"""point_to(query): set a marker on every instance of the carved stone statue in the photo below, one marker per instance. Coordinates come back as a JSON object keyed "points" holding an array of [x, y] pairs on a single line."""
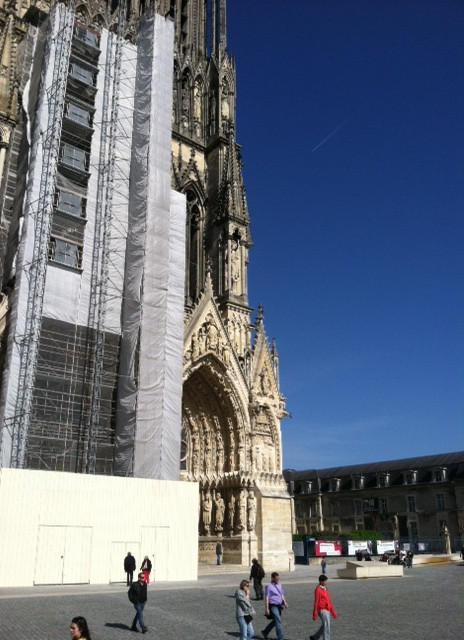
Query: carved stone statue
{"points": [[197, 101], [195, 463], [212, 334], [208, 460], [242, 510], [251, 511], [226, 353], [201, 341], [225, 110], [207, 446], [241, 450], [231, 512], [264, 382], [231, 457], [195, 347], [220, 508], [220, 452], [444, 531], [235, 270], [206, 508]]}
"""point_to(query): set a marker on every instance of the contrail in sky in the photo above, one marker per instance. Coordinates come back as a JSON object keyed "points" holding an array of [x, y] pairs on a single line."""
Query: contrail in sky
{"points": [[338, 127]]}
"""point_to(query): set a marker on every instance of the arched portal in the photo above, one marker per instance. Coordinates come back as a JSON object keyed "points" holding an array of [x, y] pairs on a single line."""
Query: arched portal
{"points": [[217, 452]]}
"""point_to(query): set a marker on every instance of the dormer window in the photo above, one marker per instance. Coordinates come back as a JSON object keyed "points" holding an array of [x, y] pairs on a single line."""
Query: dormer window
{"points": [[410, 477], [383, 480], [334, 484], [439, 474], [307, 486], [357, 482]]}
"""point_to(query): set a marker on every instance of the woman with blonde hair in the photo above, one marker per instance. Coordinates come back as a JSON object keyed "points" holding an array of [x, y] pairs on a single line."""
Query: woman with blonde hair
{"points": [[244, 611]]}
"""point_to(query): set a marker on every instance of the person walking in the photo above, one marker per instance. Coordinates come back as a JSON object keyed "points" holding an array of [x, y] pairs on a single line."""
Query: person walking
{"points": [[257, 574], [323, 565], [129, 567], [244, 611], [323, 607], [79, 629], [274, 602], [146, 569], [218, 553], [409, 559], [138, 596]]}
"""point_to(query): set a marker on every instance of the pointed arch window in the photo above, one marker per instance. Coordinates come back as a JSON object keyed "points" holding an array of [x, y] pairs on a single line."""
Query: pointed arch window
{"points": [[185, 98], [194, 246], [198, 106]]}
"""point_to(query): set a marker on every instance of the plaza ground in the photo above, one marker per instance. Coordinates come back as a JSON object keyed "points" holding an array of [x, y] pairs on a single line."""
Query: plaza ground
{"points": [[425, 603]]}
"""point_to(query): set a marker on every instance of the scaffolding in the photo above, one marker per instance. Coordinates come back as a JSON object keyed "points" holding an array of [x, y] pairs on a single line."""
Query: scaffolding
{"points": [[65, 343], [103, 225], [40, 212]]}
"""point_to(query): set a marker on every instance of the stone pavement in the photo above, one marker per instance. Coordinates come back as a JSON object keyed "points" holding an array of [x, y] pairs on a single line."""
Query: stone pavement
{"points": [[425, 603]]}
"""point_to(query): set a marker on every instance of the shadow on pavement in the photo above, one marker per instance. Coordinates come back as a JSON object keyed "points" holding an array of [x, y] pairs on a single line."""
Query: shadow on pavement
{"points": [[117, 625]]}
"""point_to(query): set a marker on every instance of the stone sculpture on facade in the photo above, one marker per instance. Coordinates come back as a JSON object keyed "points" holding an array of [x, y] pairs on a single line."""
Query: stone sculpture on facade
{"points": [[251, 511], [211, 335], [219, 453], [207, 505], [231, 513], [220, 508], [242, 506]]}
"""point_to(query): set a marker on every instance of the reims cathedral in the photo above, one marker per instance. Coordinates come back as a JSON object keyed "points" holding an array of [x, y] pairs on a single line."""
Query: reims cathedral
{"points": [[128, 344]]}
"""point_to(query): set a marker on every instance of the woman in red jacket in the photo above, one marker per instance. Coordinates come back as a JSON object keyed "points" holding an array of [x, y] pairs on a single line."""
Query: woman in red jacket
{"points": [[323, 607]]}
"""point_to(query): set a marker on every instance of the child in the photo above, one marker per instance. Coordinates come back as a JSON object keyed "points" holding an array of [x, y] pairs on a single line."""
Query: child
{"points": [[323, 607]]}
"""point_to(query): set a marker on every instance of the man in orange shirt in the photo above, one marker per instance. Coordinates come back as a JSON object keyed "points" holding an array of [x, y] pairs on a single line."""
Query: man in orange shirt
{"points": [[323, 607]]}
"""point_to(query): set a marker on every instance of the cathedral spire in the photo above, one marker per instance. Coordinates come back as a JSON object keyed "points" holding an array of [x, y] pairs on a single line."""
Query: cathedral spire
{"points": [[231, 201], [218, 26], [222, 25]]}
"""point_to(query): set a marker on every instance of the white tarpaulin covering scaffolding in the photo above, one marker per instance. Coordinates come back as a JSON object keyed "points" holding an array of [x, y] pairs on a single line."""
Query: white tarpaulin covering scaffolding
{"points": [[25, 256], [148, 424]]}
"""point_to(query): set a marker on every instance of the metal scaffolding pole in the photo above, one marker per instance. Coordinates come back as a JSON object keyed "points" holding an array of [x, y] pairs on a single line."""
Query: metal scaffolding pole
{"points": [[103, 220], [40, 211]]}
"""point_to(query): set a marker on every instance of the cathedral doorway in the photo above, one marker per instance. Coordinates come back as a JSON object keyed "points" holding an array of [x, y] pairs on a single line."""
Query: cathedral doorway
{"points": [[215, 454]]}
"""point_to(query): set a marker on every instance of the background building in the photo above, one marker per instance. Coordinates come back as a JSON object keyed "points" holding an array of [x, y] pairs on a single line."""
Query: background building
{"points": [[412, 499]]}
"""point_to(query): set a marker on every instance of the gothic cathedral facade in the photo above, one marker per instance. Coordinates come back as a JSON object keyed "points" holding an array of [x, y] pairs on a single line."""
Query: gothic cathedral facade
{"points": [[232, 406]]}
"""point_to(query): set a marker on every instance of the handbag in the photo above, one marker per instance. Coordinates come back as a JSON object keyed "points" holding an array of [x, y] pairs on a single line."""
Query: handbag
{"points": [[248, 618]]}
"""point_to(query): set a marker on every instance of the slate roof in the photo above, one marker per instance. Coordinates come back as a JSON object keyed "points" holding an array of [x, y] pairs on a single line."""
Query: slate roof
{"points": [[454, 462]]}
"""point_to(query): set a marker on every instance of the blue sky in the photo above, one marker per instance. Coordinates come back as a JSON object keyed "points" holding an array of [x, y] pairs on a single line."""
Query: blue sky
{"points": [[350, 114]]}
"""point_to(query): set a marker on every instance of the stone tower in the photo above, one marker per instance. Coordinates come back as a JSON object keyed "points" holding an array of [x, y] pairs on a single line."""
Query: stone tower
{"points": [[232, 406]]}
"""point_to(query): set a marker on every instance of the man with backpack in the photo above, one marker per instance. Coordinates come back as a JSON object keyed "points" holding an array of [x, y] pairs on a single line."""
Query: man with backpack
{"points": [[257, 574], [138, 596]]}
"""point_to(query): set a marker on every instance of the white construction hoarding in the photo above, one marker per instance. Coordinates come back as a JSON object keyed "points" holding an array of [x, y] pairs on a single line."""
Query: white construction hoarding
{"points": [[66, 528]]}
